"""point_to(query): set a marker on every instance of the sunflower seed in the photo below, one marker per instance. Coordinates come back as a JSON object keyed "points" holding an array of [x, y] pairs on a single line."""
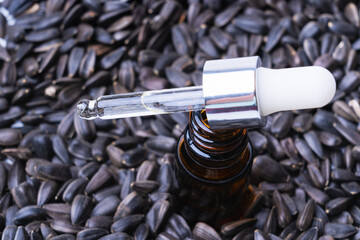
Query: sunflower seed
{"points": [[251, 24], [112, 58], [318, 196], [305, 216], [283, 213], [91, 234], [204, 231], [269, 169], [132, 203], [106, 207], [312, 233], [127, 223], [75, 187], [274, 37], [231, 228], [47, 192], [10, 137], [29, 213], [80, 209], [337, 205], [271, 221], [116, 236], [99, 179], [339, 231]]}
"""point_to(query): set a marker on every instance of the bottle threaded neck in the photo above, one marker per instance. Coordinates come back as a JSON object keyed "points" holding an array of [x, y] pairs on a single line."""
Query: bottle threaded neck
{"points": [[215, 142], [215, 155]]}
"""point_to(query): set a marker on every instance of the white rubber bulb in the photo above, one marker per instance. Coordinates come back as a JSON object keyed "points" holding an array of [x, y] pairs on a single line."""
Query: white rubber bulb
{"points": [[293, 88]]}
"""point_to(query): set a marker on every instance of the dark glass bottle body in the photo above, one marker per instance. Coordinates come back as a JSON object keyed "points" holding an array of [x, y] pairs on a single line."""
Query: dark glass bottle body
{"points": [[213, 169]]}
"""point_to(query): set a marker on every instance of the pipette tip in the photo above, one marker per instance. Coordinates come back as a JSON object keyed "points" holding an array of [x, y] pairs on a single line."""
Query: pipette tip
{"points": [[86, 109]]}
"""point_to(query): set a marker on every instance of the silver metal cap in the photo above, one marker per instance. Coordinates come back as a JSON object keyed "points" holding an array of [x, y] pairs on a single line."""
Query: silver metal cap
{"points": [[229, 87]]}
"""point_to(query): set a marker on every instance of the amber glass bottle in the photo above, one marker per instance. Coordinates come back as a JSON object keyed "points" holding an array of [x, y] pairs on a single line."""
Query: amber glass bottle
{"points": [[213, 169]]}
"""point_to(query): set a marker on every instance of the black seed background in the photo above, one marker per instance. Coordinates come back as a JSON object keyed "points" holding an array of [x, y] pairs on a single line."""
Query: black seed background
{"points": [[62, 177]]}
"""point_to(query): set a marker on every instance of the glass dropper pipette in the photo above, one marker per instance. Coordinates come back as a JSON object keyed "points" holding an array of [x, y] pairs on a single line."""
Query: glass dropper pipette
{"points": [[236, 93], [143, 103]]}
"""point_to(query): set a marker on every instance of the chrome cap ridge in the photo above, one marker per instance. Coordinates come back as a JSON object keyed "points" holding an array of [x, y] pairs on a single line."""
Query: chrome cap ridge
{"points": [[229, 87]]}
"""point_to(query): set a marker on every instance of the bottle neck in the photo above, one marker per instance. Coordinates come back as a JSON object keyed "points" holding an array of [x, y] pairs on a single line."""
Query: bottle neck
{"points": [[215, 154]]}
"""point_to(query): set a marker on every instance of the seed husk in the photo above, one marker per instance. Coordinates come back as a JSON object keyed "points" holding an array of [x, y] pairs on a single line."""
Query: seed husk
{"points": [[24, 194], [252, 24], [289, 148], [311, 29], [274, 37], [306, 215], [343, 175], [281, 187], [157, 215], [73, 14], [177, 78], [269, 169], [112, 58], [302, 123], [65, 227], [204, 231], [290, 231], [144, 187], [247, 233], [275, 147], [337, 205], [231, 228], [64, 237], [10, 137], [87, 65], [116, 236], [316, 176], [316, 194], [127, 223], [338, 230], [208, 47], [290, 204], [314, 143], [329, 139], [258, 141], [16, 175], [75, 187], [258, 235], [350, 81], [352, 188], [226, 15], [80, 209], [28, 214], [91, 233], [99, 222], [100, 179], [283, 213], [312, 233], [57, 210], [84, 129], [132, 203], [47, 192], [271, 221], [182, 39], [106, 207], [80, 149], [42, 35], [305, 150]]}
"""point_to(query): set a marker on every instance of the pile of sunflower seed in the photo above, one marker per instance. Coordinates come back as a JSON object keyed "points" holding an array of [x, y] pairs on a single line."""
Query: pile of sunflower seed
{"points": [[62, 177]]}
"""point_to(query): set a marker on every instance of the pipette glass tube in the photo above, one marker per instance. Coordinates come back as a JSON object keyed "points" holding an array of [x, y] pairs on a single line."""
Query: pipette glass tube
{"points": [[143, 103]]}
